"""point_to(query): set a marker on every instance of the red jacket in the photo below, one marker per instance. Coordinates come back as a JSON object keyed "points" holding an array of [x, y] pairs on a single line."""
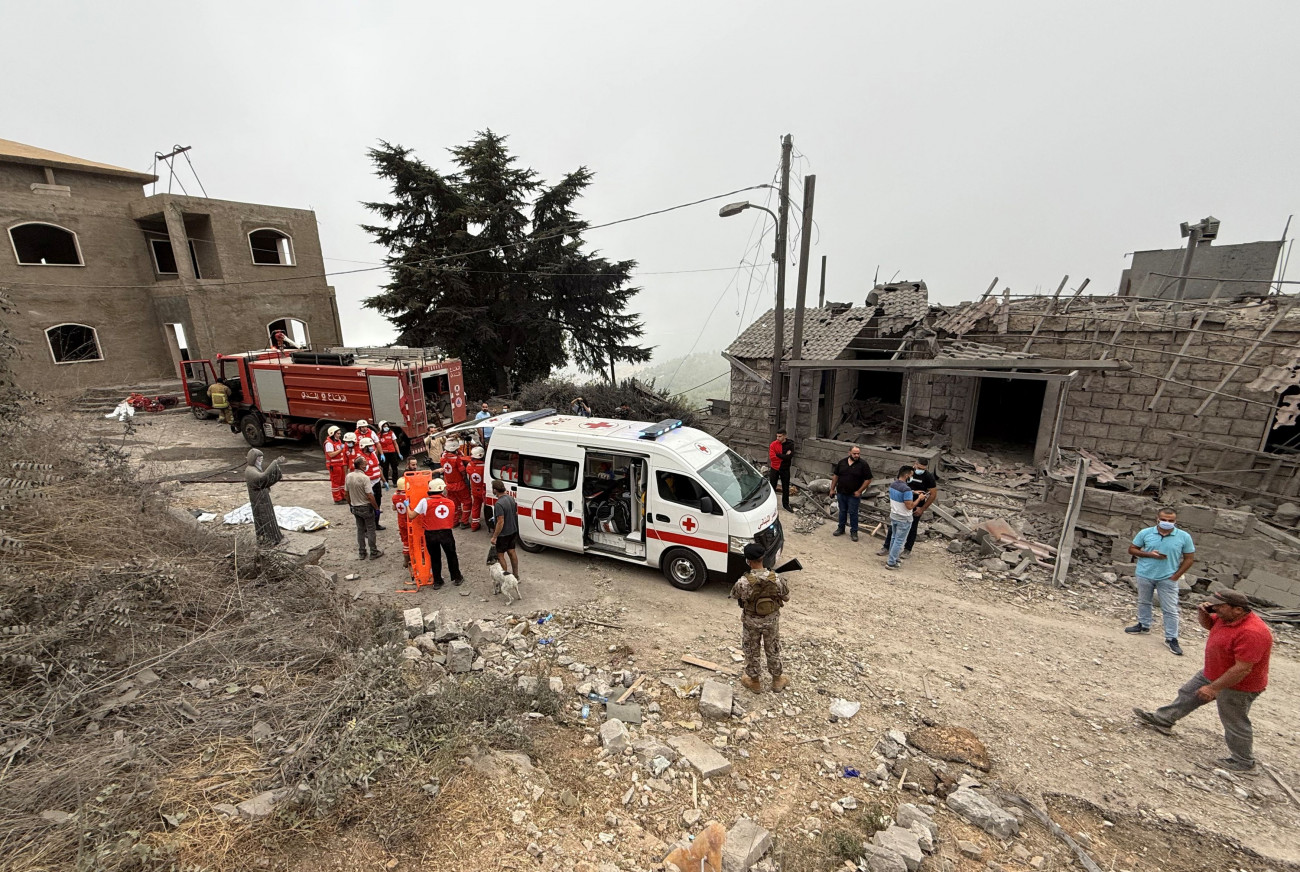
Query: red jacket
{"points": [[453, 471], [477, 482], [336, 453], [775, 452], [374, 471]]}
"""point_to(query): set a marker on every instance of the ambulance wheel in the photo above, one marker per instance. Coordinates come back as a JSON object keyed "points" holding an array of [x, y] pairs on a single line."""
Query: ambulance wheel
{"points": [[252, 430], [530, 547], [684, 569]]}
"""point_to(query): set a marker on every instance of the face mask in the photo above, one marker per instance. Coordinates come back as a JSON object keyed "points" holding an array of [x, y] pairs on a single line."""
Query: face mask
{"points": [[1166, 525]]}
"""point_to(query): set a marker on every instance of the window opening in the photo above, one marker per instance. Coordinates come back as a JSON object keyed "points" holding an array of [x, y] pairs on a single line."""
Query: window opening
{"points": [[1284, 439], [680, 488], [73, 343], [45, 245], [1007, 415], [164, 259], [504, 466], [293, 330], [271, 247]]}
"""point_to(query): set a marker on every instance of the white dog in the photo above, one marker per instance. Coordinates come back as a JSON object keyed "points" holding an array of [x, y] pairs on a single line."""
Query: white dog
{"points": [[504, 582]]}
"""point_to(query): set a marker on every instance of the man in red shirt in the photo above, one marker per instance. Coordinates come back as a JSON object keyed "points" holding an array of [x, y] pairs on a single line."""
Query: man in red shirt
{"points": [[1235, 673], [780, 457]]}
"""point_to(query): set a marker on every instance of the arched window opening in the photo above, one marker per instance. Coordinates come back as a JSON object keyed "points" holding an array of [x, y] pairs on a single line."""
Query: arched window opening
{"points": [[271, 247], [288, 333], [38, 244], [73, 343]]}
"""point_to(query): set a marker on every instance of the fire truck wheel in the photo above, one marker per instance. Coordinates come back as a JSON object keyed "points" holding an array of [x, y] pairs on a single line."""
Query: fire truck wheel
{"points": [[530, 547], [252, 430], [199, 412], [322, 431], [684, 569]]}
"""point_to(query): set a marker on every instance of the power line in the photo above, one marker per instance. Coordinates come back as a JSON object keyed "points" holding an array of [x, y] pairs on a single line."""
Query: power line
{"points": [[578, 227]]}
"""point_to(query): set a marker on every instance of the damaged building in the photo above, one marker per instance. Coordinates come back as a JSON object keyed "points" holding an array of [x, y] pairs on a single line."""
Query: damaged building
{"points": [[116, 287], [1204, 382]]}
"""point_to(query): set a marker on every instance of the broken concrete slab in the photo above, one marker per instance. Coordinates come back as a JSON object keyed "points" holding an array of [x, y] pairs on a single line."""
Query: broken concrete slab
{"points": [[414, 620], [902, 842], [614, 736], [715, 699], [746, 844], [628, 713], [321, 574], [302, 549], [1271, 587], [647, 749], [460, 656], [262, 805], [984, 813], [703, 757], [882, 859]]}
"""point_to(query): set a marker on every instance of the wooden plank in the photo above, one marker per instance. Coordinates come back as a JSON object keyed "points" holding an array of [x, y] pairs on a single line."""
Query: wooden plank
{"points": [[1000, 364], [1051, 308], [708, 664], [951, 520], [1066, 548], [1187, 342], [631, 690], [1282, 311]]}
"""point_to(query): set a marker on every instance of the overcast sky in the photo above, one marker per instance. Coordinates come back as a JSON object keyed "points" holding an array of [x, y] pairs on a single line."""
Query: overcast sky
{"points": [[952, 142]]}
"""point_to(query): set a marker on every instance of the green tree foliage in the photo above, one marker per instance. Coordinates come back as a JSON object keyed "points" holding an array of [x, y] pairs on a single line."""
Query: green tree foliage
{"points": [[487, 263]]}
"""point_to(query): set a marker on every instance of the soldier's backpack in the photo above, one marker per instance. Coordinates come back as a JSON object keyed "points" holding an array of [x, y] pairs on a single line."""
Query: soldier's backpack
{"points": [[767, 596]]}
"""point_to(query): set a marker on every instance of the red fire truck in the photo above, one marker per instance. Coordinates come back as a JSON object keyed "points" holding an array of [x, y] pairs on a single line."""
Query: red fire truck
{"points": [[300, 394]]}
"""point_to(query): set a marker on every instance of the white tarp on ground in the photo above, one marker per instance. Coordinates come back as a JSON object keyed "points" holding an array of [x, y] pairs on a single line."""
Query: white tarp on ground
{"points": [[123, 411], [288, 517]]}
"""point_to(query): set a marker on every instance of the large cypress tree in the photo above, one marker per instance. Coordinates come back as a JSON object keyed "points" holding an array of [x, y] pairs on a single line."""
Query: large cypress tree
{"points": [[487, 263]]}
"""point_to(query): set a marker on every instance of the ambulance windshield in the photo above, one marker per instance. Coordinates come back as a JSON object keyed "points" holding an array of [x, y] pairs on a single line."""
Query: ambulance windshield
{"points": [[740, 484]]}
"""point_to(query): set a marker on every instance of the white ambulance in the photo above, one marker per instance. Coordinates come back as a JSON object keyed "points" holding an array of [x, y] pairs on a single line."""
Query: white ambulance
{"points": [[659, 495]]}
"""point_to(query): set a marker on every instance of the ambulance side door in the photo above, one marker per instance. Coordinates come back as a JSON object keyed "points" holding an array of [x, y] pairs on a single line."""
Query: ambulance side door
{"points": [[548, 489], [681, 512]]}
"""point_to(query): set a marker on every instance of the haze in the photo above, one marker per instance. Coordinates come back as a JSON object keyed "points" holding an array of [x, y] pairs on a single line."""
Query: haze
{"points": [[952, 142]]}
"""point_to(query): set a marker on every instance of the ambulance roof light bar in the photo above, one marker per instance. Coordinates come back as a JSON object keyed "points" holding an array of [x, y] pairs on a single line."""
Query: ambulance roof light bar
{"points": [[530, 417], [654, 431]]}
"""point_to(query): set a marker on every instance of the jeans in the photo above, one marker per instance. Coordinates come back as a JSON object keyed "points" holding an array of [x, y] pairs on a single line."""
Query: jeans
{"points": [[1168, 603], [911, 534], [898, 531], [848, 510], [1234, 714], [365, 518]]}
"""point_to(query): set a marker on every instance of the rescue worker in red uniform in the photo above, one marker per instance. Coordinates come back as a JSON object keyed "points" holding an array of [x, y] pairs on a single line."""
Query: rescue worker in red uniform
{"points": [[437, 516], [375, 473], [389, 451], [336, 461], [453, 476], [401, 509], [477, 486], [351, 451], [364, 431]]}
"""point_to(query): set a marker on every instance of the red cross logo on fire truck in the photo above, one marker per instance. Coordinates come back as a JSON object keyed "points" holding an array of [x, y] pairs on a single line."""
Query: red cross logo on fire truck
{"points": [[597, 425], [548, 517], [688, 523]]}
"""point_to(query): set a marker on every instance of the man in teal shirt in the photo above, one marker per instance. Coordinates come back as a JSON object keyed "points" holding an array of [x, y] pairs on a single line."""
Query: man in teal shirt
{"points": [[484, 412], [1164, 553]]}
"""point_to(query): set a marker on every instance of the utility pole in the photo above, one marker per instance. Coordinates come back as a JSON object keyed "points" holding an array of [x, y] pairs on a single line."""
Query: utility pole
{"points": [[821, 292], [778, 343], [800, 296]]}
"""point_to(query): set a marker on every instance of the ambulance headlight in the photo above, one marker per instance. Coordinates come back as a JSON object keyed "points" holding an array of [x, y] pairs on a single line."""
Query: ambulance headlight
{"points": [[736, 544]]}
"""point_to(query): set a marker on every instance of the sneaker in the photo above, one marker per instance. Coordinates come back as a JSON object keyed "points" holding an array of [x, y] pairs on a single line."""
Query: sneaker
{"points": [[1232, 764], [779, 683], [752, 684], [1150, 720], [1137, 628], [839, 531], [1173, 645], [854, 535], [882, 552], [458, 581], [891, 565], [375, 555], [907, 552], [380, 527], [361, 556], [437, 585]]}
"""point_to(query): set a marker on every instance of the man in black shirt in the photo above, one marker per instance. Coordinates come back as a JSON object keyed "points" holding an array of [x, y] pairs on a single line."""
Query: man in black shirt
{"points": [[923, 484], [849, 478]]}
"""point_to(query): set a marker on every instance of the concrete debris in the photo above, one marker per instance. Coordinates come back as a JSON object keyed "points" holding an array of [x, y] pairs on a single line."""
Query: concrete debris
{"points": [[460, 656], [704, 758], [746, 843], [970, 849], [844, 709], [984, 813], [614, 736], [647, 749], [908, 814], [879, 859], [628, 713], [414, 620], [715, 699], [902, 842]]}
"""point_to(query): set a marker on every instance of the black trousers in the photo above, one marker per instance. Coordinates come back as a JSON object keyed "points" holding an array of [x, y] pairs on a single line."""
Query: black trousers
{"points": [[439, 541], [781, 476], [390, 467], [378, 490], [911, 534]]}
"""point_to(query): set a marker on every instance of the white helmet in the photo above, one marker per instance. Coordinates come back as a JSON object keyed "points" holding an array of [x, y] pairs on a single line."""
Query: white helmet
{"points": [[363, 423], [476, 453], [331, 431], [452, 445], [383, 424], [349, 437], [367, 442], [437, 486]]}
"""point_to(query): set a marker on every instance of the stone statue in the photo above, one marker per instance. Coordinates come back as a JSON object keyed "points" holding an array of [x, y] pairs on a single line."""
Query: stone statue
{"points": [[259, 483]]}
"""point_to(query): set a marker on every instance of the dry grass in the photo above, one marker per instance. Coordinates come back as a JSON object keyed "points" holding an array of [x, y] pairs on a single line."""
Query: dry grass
{"points": [[137, 653]]}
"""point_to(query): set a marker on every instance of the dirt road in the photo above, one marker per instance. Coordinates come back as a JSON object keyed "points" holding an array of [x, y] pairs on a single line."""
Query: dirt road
{"points": [[1046, 679]]}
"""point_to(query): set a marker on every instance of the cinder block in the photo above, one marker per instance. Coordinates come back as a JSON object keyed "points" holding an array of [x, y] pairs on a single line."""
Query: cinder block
{"points": [[1096, 500], [1269, 586], [1239, 522], [1200, 519], [1131, 504]]}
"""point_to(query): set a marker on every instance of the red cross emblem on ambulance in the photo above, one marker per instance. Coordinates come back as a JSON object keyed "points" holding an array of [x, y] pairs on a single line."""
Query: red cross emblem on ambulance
{"points": [[688, 523], [700, 446], [548, 517], [442, 512], [596, 425]]}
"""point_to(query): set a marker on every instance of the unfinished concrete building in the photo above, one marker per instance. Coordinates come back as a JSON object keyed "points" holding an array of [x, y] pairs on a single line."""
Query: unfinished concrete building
{"points": [[114, 287], [1208, 387]]}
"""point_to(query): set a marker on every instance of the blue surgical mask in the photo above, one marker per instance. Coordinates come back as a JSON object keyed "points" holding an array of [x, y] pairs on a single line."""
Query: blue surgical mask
{"points": [[1166, 525]]}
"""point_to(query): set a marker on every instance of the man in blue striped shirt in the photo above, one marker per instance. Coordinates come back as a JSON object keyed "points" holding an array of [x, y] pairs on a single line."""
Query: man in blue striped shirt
{"points": [[902, 500]]}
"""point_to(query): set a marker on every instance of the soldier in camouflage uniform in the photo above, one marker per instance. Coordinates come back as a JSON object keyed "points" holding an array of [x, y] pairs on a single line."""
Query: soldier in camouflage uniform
{"points": [[761, 593]]}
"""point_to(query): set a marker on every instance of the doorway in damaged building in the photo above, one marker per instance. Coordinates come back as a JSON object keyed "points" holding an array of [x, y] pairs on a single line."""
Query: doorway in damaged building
{"points": [[1007, 416]]}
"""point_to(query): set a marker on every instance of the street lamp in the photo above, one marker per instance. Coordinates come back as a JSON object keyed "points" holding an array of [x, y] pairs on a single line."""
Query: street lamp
{"points": [[778, 339]]}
